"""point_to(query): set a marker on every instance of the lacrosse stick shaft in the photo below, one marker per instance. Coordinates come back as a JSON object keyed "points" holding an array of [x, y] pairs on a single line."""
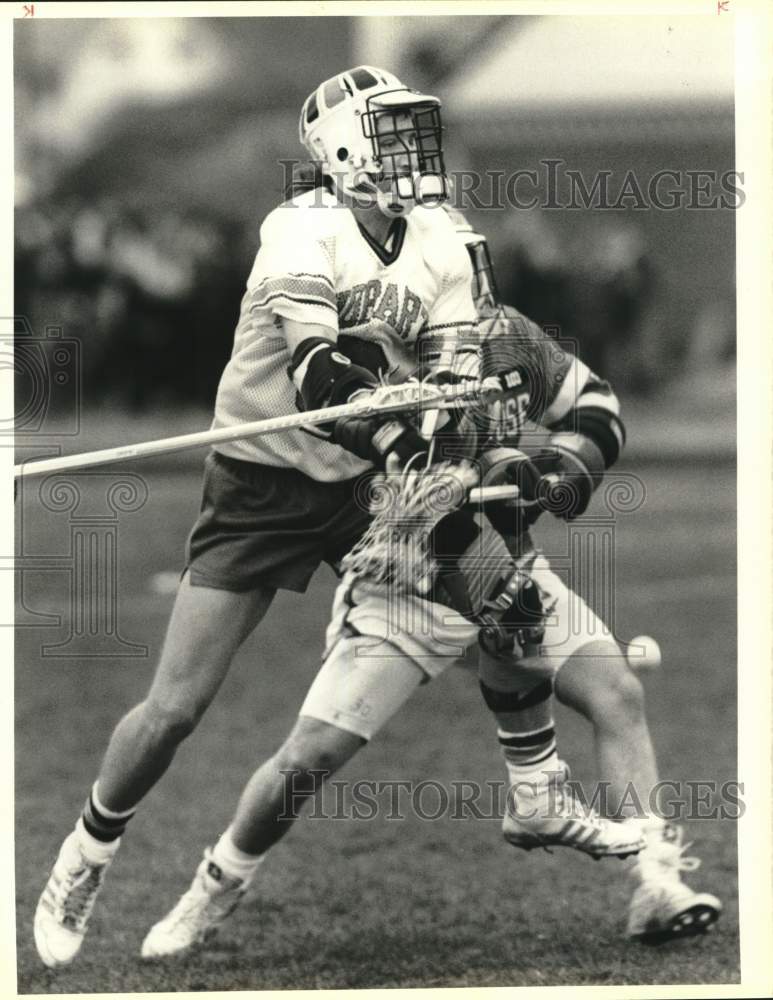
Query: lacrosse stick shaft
{"points": [[389, 400], [481, 494]]}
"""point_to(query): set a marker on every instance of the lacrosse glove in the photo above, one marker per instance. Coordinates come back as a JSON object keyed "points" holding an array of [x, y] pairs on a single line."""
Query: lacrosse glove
{"points": [[374, 437]]}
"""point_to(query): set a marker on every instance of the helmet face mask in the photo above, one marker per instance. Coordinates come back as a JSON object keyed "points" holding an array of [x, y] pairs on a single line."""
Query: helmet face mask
{"points": [[407, 144], [378, 141]]}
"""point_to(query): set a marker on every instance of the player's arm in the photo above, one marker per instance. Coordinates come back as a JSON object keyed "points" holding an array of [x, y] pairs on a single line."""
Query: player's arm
{"points": [[322, 374], [582, 414], [586, 433], [325, 376], [292, 285], [587, 441], [578, 409]]}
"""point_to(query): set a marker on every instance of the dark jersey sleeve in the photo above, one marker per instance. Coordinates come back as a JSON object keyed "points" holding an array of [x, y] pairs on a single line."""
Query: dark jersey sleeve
{"points": [[556, 391]]}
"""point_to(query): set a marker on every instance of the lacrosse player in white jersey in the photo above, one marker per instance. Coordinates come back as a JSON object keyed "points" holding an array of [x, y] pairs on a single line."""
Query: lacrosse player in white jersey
{"points": [[502, 595], [350, 282], [347, 283]]}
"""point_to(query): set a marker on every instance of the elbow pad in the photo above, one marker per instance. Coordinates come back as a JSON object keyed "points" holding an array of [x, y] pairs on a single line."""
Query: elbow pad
{"points": [[603, 428], [324, 376], [577, 470]]}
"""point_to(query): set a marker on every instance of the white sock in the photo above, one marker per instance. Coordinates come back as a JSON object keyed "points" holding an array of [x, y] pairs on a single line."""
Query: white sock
{"points": [[233, 861], [649, 826], [535, 758], [96, 851], [535, 775], [646, 864]]}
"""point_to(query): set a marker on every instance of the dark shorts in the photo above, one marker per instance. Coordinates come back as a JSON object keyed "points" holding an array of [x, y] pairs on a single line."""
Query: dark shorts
{"points": [[263, 525]]}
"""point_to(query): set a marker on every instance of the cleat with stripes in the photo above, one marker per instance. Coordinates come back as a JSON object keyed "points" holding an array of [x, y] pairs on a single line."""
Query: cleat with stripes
{"points": [[63, 911], [553, 817], [212, 897], [663, 908]]}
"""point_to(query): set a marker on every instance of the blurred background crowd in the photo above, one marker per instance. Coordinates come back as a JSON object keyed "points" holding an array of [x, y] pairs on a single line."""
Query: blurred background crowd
{"points": [[149, 150]]}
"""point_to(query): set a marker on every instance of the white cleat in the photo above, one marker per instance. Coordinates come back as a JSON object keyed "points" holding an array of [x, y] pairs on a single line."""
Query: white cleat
{"points": [[553, 817], [63, 911], [198, 914], [663, 908]]}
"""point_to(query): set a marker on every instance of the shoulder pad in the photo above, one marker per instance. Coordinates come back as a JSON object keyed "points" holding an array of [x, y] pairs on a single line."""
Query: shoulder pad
{"points": [[313, 214]]}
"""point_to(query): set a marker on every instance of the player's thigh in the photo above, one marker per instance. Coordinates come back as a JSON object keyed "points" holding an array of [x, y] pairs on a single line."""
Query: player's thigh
{"points": [[361, 686], [572, 627], [598, 682], [380, 647], [206, 628], [580, 651]]}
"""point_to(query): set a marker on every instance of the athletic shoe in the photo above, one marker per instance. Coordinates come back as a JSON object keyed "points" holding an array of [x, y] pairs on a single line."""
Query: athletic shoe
{"points": [[199, 913], [663, 907], [63, 911], [552, 816]]}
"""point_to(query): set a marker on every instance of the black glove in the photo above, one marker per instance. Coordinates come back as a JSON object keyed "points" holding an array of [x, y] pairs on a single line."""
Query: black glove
{"points": [[511, 467], [375, 437], [547, 480], [330, 376], [563, 485]]}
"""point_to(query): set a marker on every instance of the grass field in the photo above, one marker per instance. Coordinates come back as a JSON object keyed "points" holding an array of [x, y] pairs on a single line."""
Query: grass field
{"points": [[375, 903]]}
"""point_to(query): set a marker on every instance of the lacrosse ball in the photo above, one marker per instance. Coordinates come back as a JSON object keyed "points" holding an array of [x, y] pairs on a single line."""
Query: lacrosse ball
{"points": [[643, 653]]}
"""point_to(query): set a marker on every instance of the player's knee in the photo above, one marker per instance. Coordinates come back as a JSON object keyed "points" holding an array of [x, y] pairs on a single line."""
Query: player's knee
{"points": [[621, 697], [313, 751], [599, 683], [169, 723], [627, 689]]}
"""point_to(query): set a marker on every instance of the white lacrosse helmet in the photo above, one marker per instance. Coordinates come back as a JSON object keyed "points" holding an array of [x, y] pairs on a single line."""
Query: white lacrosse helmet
{"points": [[364, 127]]}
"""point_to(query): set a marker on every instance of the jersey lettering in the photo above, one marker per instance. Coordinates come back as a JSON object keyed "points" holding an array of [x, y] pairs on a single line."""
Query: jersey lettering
{"points": [[510, 418], [369, 300], [412, 307], [372, 292], [389, 306]]}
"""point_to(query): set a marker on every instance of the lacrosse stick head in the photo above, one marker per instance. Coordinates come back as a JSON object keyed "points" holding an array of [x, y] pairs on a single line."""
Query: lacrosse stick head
{"points": [[396, 549]]}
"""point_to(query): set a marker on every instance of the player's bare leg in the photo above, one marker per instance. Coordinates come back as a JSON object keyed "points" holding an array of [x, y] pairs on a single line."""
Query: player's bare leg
{"points": [[270, 803], [195, 658], [272, 798], [598, 683], [274, 795], [196, 655]]}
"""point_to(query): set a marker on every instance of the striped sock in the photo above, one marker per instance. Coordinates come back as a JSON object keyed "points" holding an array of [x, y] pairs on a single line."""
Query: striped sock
{"points": [[530, 757], [102, 823]]}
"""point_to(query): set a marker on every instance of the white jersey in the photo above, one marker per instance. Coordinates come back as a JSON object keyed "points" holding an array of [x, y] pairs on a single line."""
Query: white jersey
{"points": [[316, 265]]}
